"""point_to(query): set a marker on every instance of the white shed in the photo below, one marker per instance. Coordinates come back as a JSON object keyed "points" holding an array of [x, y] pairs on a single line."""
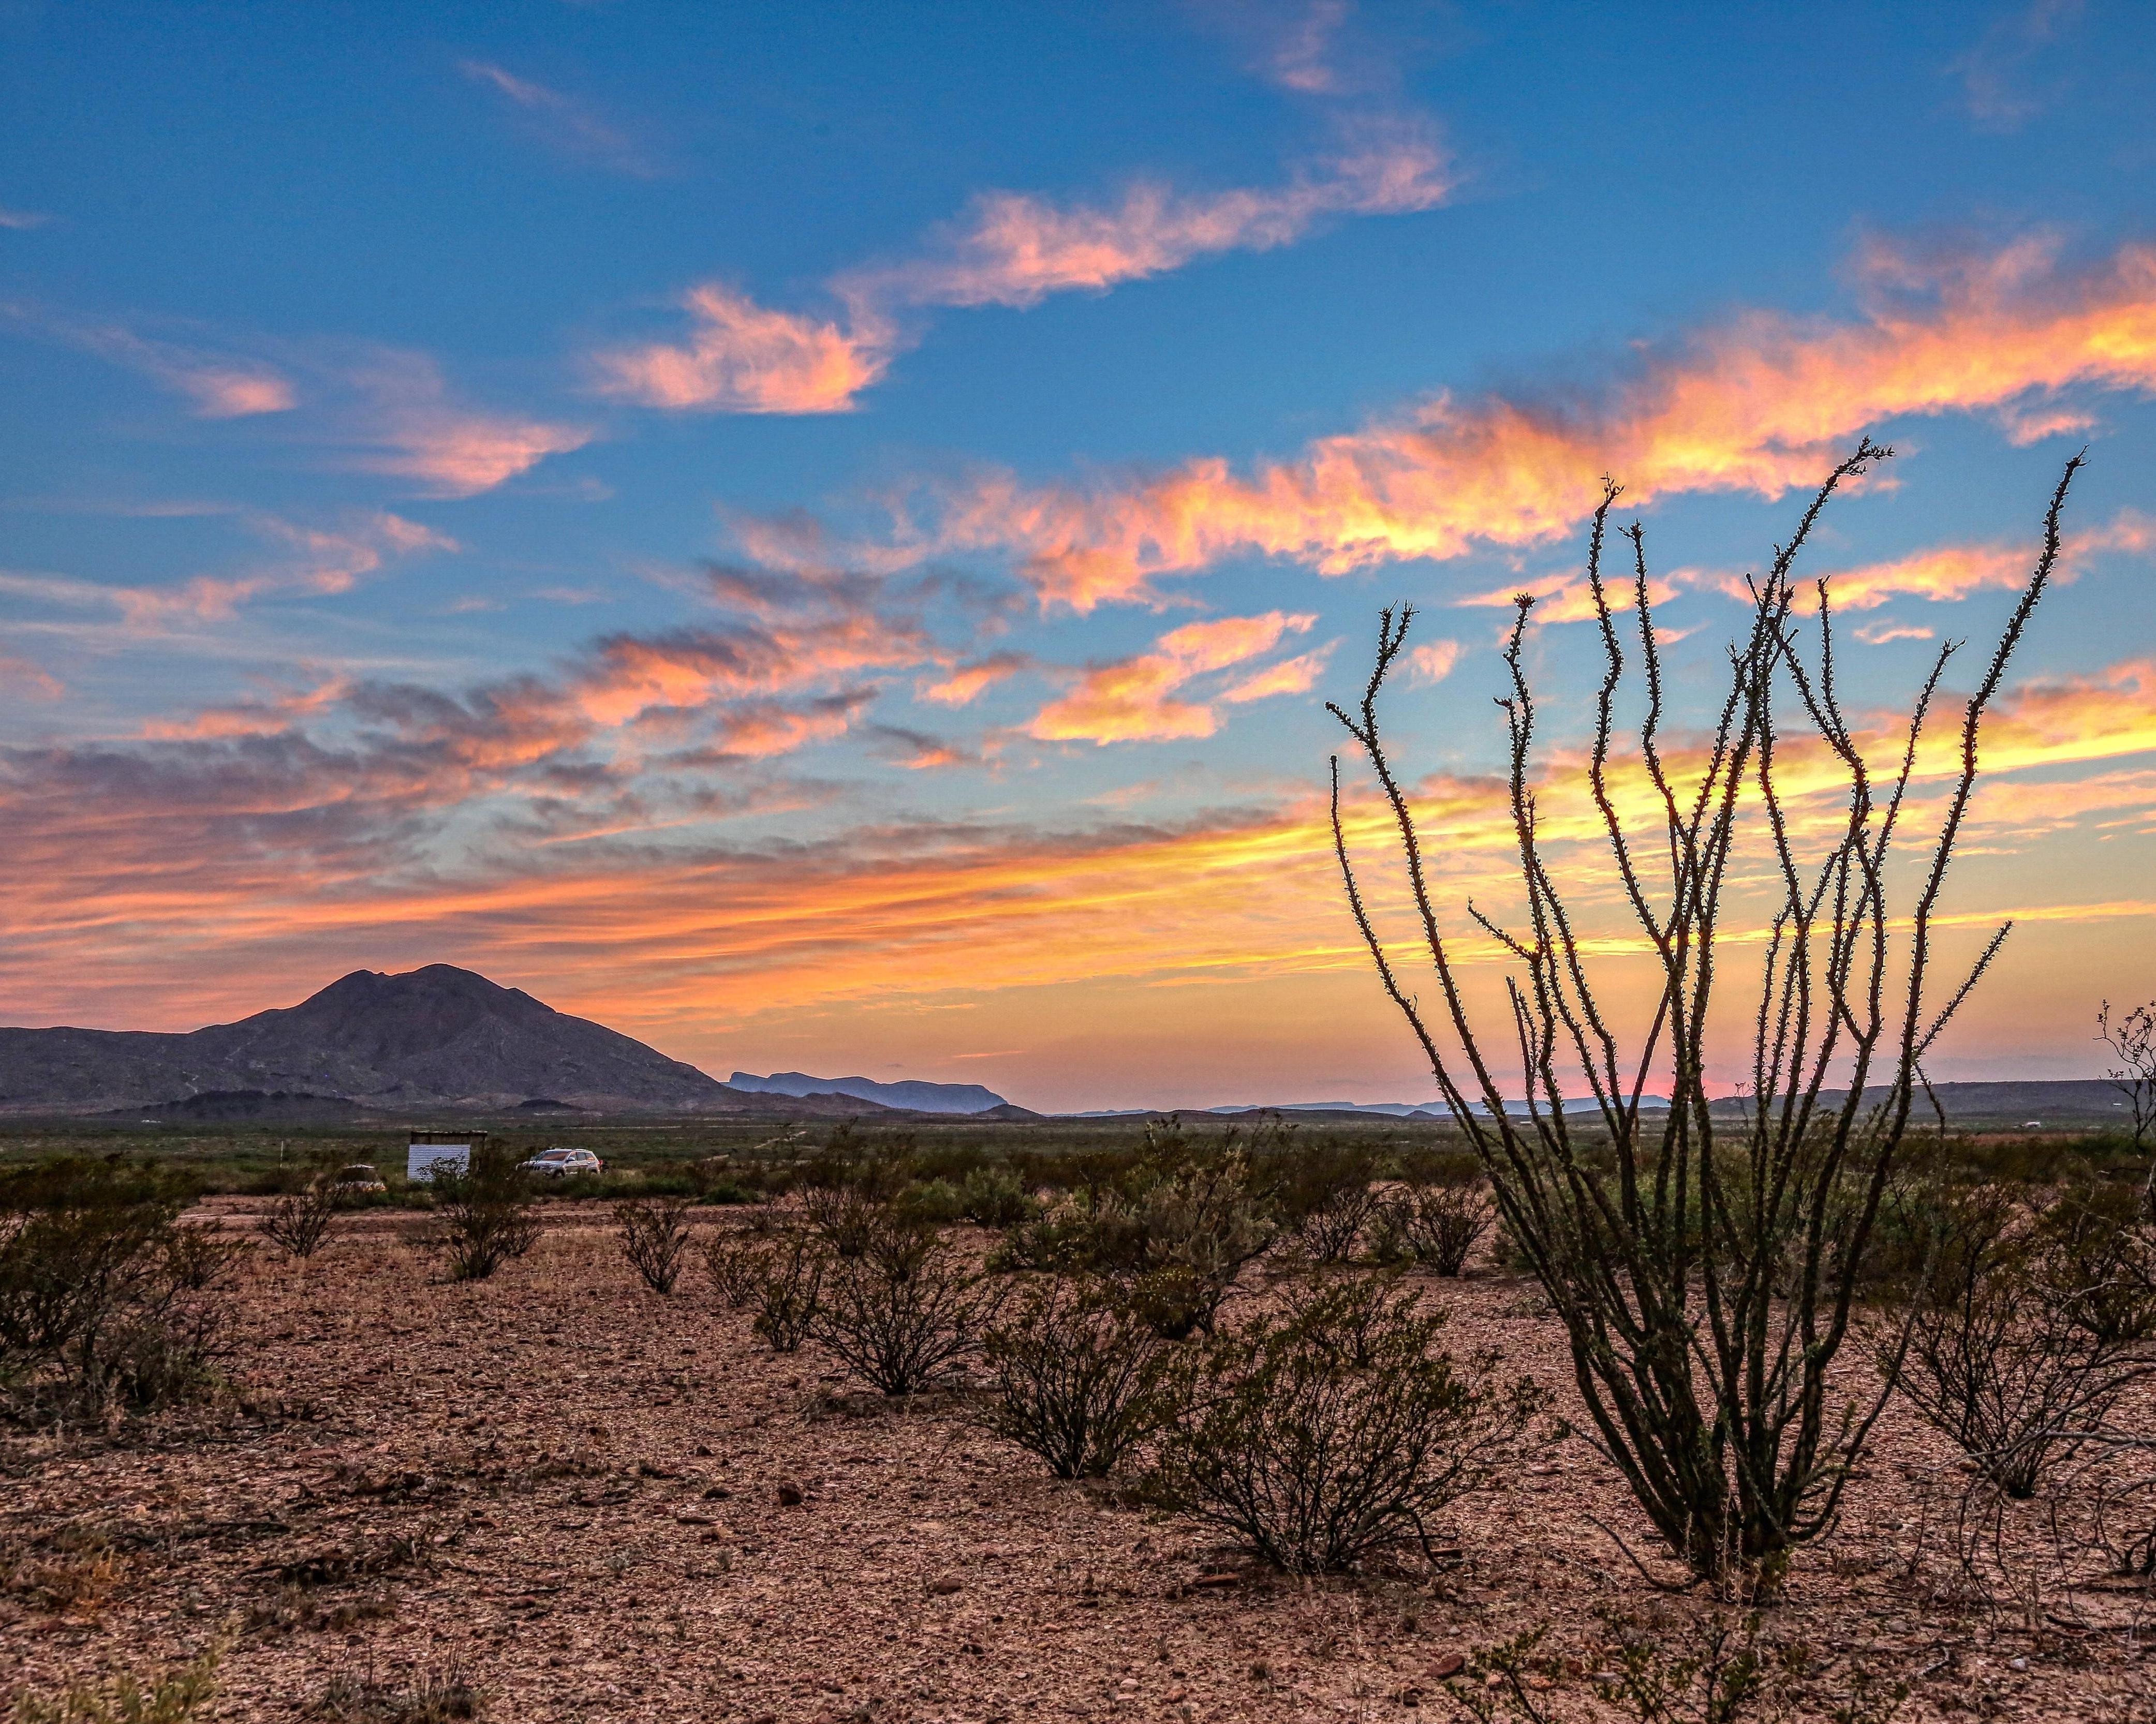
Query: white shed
{"points": [[429, 1148]]}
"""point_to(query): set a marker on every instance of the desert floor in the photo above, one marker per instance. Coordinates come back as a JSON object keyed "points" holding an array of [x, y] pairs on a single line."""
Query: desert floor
{"points": [[597, 1503]]}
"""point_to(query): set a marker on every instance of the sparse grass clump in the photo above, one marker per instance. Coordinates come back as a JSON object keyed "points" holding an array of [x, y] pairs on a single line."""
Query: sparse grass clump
{"points": [[172, 1698], [1327, 1435], [1073, 1377]]}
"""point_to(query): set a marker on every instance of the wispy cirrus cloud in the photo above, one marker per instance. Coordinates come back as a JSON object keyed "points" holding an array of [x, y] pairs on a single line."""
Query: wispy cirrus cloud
{"points": [[1008, 249], [316, 561], [566, 123], [23, 220], [390, 408], [220, 387], [966, 681], [1760, 404], [1136, 700], [1995, 74]]}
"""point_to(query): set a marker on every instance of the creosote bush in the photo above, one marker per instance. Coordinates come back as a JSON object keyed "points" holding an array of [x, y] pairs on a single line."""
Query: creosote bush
{"points": [[2023, 1334], [1436, 1225], [1325, 1193], [1174, 1239], [734, 1257], [787, 1289], [1275, 1434], [1073, 1366], [106, 1301], [485, 1214], [654, 1237], [298, 1221], [901, 1314]]}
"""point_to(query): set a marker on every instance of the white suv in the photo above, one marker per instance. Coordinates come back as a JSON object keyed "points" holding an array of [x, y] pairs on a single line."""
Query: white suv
{"points": [[561, 1163]]}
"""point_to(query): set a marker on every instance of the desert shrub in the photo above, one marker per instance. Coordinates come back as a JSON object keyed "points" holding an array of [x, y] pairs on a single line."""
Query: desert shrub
{"points": [[1436, 1225], [932, 1203], [788, 1286], [1073, 1367], [994, 1196], [1272, 1434], [1325, 1193], [734, 1258], [654, 1237], [844, 1216], [484, 1214], [1174, 1241], [901, 1314], [298, 1221], [2018, 1341], [172, 1698], [105, 1299]]}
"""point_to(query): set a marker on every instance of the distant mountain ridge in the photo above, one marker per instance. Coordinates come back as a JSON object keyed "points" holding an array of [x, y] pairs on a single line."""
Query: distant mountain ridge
{"points": [[915, 1094], [435, 1036]]}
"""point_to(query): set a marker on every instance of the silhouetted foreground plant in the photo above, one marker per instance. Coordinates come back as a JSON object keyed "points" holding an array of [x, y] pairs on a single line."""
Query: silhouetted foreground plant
{"points": [[901, 1314], [1072, 1377], [1277, 1433], [1701, 1264], [105, 1300], [654, 1237], [2130, 1040], [485, 1214], [2023, 1336]]}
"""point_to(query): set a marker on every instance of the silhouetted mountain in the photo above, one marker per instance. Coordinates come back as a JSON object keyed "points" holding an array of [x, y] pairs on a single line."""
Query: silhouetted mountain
{"points": [[437, 1037], [910, 1093]]}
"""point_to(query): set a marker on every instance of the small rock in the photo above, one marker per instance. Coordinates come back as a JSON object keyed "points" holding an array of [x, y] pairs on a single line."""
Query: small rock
{"points": [[943, 1588], [789, 1496], [2017, 1664], [1451, 1664]]}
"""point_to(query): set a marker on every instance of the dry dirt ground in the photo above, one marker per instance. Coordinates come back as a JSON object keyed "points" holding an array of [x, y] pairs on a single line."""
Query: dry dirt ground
{"points": [[602, 1504]]}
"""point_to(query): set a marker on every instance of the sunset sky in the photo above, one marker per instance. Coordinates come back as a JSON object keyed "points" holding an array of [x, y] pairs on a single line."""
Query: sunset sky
{"points": [[819, 535]]}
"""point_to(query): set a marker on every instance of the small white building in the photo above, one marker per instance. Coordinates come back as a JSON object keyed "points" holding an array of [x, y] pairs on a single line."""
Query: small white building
{"points": [[429, 1148]]}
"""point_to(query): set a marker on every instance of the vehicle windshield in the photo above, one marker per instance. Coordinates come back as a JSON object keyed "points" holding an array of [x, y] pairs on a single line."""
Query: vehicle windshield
{"points": [[554, 1155]]}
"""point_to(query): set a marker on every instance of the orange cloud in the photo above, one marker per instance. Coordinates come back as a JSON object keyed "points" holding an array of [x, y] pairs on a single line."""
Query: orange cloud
{"points": [[1130, 699], [1761, 405], [1290, 676], [743, 358], [968, 680], [1010, 249]]}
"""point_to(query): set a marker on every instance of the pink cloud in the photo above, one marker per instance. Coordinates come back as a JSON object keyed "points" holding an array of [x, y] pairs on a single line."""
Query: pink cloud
{"points": [[415, 431], [1010, 249], [741, 358]]}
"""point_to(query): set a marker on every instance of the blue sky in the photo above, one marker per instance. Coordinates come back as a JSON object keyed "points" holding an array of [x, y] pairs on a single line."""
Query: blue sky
{"points": [[529, 487]]}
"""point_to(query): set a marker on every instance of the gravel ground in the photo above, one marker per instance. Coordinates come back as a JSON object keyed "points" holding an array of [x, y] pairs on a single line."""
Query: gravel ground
{"points": [[597, 1503]]}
